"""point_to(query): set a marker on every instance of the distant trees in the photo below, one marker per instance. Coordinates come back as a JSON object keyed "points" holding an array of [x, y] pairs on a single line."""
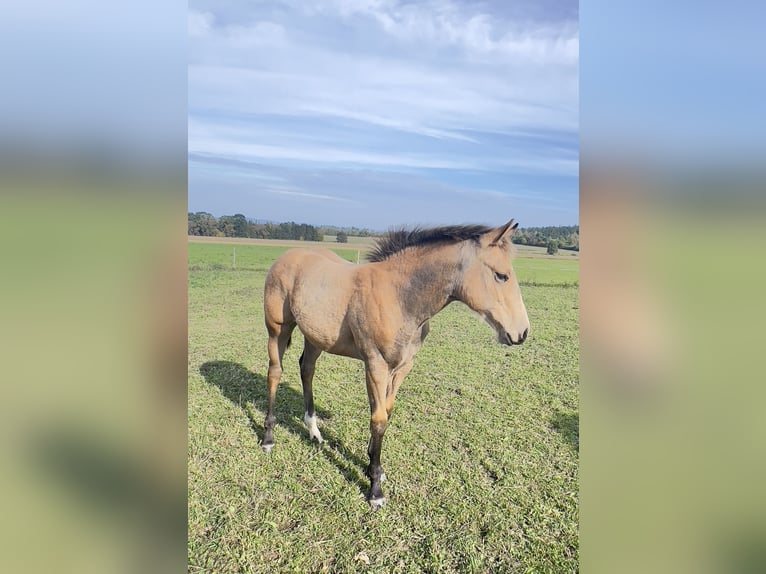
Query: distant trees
{"points": [[566, 236], [349, 231], [203, 223], [290, 230], [234, 225]]}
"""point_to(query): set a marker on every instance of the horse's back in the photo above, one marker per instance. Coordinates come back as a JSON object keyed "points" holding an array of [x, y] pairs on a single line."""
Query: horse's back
{"points": [[294, 263], [311, 287]]}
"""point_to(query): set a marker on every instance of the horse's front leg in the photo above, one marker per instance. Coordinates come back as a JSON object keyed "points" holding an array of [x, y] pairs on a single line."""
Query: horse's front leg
{"points": [[377, 383], [393, 388]]}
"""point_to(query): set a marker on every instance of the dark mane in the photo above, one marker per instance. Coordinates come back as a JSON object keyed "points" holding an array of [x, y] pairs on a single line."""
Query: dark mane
{"points": [[396, 240]]}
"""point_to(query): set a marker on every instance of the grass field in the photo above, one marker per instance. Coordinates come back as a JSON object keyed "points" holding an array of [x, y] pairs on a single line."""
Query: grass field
{"points": [[532, 265], [481, 454], [352, 240]]}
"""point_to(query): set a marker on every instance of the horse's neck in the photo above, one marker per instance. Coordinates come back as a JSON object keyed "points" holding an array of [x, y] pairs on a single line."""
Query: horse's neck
{"points": [[427, 282]]}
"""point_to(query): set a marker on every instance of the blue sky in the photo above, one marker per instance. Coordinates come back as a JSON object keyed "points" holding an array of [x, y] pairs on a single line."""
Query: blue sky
{"points": [[676, 84], [377, 113]]}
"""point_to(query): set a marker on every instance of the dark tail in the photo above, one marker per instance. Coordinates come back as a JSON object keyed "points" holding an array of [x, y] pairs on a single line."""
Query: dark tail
{"points": [[289, 341]]}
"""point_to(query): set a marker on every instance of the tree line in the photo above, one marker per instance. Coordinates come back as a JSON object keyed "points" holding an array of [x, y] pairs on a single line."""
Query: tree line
{"points": [[205, 224], [564, 237], [349, 231]]}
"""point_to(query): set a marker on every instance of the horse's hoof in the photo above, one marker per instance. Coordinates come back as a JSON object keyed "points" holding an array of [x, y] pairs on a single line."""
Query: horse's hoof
{"points": [[267, 447], [316, 438], [376, 503], [311, 425]]}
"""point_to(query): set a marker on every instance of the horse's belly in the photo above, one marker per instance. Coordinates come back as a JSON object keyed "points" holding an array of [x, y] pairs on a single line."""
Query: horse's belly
{"points": [[330, 335], [343, 344], [320, 305], [345, 350]]}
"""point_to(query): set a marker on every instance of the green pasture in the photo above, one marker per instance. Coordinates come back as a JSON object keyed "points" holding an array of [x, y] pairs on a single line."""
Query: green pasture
{"points": [[352, 240], [481, 454], [547, 271], [223, 256], [219, 256]]}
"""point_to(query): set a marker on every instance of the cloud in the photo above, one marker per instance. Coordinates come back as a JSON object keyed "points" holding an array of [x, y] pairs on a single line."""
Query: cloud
{"points": [[398, 124], [379, 199], [210, 139], [474, 96], [433, 69], [451, 23], [228, 148], [199, 23], [301, 194]]}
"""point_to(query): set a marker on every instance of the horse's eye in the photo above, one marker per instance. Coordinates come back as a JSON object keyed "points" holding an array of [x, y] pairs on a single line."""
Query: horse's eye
{"points": [[500, 277]]}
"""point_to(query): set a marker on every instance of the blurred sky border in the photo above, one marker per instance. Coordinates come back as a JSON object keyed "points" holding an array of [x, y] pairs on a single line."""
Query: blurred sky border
{"points": [[384, 112], [673, 85]]}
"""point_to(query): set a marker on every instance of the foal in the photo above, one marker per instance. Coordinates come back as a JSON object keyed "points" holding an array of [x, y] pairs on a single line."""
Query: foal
{"points": [[379, 312]]}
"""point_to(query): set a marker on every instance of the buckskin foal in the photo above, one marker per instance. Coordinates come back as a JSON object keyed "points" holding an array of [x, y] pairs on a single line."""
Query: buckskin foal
{"points": [[378, 312]]}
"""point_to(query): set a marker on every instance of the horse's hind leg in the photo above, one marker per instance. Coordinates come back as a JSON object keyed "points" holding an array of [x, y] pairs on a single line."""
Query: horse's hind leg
{"points": [[307, 363], [279, 339]]}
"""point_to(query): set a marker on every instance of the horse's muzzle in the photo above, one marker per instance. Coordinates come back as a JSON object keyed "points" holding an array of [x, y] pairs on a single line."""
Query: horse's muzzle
{"points": [[506, 339]]}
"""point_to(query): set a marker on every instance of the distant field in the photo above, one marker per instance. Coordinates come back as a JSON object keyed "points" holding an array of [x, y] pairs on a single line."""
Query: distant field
{"points": [[481, 456], [243, 257], [546, 271], [533, 251], [258, 254], [352, 240], [249, 241], [362, 243]]}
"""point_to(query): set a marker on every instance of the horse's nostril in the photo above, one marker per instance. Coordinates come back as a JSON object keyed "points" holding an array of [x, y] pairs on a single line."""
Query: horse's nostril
{"points": [[524, 335]]}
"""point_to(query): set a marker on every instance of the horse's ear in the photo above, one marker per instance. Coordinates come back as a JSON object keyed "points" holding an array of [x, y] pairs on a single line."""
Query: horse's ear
{"points": [[503, 233]]}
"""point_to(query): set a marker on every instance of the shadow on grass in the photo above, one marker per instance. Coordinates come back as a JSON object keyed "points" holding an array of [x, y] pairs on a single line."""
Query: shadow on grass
{"points": [[241, 386], [568, 426]]}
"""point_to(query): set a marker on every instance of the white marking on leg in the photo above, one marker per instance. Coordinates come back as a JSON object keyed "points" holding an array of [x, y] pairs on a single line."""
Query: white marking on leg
{"points": [[376, 503], [311, 424]]}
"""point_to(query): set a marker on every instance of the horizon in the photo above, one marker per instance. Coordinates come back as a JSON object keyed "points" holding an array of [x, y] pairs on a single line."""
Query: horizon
{"points": [[264, 221], [383, 114]]}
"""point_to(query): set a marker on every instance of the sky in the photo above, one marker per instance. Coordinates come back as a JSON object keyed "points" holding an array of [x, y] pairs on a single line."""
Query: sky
{"points": [[375, 113], [676, 84]]}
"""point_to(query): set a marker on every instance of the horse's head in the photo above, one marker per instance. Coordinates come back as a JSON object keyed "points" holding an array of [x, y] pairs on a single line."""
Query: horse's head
{"points": [[490, 288]]}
